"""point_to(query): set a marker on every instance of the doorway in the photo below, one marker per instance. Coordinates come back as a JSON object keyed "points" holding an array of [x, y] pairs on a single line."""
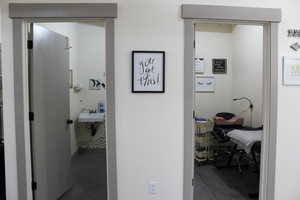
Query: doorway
{"points": [[2, 158], [228, 96], [67, 106], [269, 19], [30, 13]]}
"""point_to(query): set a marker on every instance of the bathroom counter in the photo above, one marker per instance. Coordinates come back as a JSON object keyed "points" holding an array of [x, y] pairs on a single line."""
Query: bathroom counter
{"points": [[91, 117]]}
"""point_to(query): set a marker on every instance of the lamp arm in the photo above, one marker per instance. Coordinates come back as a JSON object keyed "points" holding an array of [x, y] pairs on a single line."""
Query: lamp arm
{"points": [[249, 100], [250, 106]]}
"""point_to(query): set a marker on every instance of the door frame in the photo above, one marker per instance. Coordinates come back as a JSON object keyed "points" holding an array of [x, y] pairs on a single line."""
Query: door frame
{"points": [[24, 13], [269, 18]]}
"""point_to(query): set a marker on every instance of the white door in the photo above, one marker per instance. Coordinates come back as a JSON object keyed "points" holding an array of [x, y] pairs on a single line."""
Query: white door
{"points": [[49, 102]]}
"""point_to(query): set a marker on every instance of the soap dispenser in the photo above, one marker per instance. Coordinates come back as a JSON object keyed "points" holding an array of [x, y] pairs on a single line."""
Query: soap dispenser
{"points": [[101, 107]]}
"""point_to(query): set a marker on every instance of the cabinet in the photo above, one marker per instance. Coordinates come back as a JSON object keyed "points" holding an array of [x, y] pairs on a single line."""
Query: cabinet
{"points": [[203, 140]]}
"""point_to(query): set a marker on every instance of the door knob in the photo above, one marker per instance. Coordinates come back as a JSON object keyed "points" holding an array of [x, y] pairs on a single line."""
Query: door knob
{"points": [[69, 121]]}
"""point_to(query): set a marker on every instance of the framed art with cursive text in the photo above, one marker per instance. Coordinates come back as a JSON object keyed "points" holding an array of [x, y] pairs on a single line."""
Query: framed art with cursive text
{"points": [[148, 71]]}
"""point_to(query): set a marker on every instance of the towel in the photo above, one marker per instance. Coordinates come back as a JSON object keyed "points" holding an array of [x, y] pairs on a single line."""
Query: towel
{"points": [[245, 139]]}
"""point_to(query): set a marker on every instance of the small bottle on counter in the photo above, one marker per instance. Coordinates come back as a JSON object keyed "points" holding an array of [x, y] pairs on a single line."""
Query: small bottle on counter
{"points": [[101, 107]]}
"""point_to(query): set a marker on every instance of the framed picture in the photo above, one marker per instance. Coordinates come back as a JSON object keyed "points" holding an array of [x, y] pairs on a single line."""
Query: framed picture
{"points": [[148, 71], [219, 66], [291, 71], [204, 83], [95, 84]]}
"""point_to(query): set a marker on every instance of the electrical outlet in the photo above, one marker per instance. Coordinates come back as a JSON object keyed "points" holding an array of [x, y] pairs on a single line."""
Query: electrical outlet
{"points": [[153, 187]]}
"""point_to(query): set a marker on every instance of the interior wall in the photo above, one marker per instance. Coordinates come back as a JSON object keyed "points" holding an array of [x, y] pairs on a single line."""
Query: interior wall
{"points": [[248, 72], [149, 127], [242, 45], [1, 134], [0, 23], [214, 41], [91, 58], [8, 111], [91, 61]]}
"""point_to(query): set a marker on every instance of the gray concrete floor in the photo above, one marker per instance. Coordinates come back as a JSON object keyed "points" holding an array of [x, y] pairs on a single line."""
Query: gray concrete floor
{"points": [[89, 176], [89, 180], [224, 184]]}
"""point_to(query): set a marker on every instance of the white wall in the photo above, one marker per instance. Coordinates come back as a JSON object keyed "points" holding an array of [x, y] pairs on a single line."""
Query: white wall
{"points": [[214, 41], [242, 46], [8, 107], [0, 23], [248, 71], [150, 127], [91, 58]]}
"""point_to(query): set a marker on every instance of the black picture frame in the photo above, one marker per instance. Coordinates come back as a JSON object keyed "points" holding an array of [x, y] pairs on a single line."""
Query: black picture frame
{"points": [[133, 89], [219, 66]]}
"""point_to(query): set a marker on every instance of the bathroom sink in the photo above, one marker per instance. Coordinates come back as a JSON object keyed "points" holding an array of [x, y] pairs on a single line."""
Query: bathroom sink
{"points": [[91, 117]]}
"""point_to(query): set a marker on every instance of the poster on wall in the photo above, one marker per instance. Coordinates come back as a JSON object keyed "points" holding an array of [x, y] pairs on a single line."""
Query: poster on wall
{"points": [[219, 66], [204, 83], [148, 71], [95, 84], [291, 71], [199, 65]]}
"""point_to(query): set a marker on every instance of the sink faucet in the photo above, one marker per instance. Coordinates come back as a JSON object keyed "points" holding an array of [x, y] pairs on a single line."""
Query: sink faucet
{"points": [[92, 111]]}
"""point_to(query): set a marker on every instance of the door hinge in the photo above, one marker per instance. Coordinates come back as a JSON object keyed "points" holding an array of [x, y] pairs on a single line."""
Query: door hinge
{"points": [[193, 182], [34, 185], [31, 116], [194, 114], [29, 44], [194, 44]]}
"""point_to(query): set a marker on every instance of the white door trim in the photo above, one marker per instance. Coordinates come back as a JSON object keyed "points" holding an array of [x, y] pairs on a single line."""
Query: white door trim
{"points": [[22, 13], [269, 18]]}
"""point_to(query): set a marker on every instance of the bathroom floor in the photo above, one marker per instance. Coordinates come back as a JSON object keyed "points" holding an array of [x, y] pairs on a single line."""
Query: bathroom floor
{"points": [[89, 176]]}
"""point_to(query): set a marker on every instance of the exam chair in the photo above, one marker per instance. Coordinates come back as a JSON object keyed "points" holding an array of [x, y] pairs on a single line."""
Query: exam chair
{"points": [[223, 151], [248, 148], [226, 151]]}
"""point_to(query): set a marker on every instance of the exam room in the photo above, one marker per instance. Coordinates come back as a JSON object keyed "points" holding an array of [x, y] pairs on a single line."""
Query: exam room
{"points": [[228, 96]]}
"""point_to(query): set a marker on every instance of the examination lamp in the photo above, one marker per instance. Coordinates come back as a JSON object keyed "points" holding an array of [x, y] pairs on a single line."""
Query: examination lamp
{"points": [[250, 106]]}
